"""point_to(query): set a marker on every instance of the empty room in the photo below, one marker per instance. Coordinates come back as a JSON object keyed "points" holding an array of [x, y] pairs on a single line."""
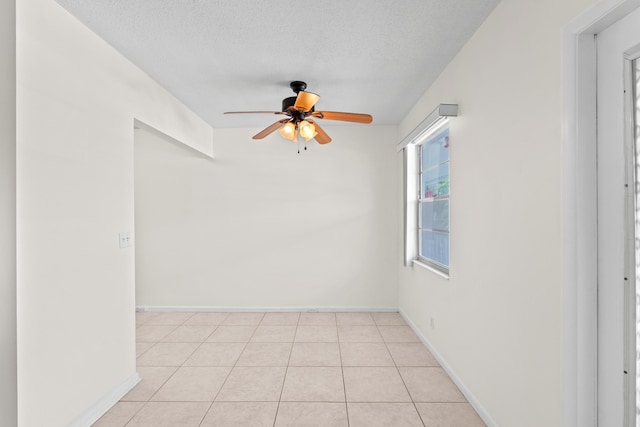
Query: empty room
{"points": [[242, 213]]}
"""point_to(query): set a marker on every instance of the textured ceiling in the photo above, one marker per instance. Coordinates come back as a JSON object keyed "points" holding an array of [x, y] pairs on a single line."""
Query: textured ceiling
{"points": [[363, 56]]}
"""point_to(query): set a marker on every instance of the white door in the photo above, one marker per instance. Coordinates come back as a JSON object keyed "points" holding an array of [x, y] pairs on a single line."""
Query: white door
{"points": [[617, 47]]}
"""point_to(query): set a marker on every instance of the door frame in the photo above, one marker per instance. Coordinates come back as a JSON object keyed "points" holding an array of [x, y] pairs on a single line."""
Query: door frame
{"points": [[579, 210]]}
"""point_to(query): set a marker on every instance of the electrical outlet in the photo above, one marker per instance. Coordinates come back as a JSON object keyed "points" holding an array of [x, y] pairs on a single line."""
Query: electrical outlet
{"points": [[433, 323], [125, 238]]}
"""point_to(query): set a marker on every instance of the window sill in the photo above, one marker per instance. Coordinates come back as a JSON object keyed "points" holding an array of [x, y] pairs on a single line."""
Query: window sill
{"points": [[428, 267]]}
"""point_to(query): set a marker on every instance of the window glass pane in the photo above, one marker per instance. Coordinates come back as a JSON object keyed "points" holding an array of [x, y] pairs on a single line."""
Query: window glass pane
{"points": [[435, 246], [435, 215], [433, 206], [435, 182], [436, 150]]}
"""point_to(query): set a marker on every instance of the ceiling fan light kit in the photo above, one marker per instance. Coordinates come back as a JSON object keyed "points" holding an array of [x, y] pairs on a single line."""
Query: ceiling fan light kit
{"points": [[288, 131], [300, 109], [307, 130]]}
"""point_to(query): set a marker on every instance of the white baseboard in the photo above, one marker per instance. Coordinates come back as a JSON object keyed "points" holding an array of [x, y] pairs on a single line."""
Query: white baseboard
{"points": [[473, 401], [94, 413], [269, 309]]}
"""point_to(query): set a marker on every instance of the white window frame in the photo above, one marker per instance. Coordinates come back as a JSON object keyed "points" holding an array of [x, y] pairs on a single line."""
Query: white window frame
{"points": [[409, 145]]}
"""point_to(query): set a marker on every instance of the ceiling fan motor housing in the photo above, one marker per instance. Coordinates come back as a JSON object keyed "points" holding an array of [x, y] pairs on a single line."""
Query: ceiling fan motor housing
{"points": [[288, 103]]}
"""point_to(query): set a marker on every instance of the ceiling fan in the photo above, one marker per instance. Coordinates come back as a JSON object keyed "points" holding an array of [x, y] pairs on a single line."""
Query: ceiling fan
{"points": [[301, 114]]}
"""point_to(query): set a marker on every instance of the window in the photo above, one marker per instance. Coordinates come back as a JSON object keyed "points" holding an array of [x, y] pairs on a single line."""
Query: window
{"points": [[433, 199], [426, 191]]}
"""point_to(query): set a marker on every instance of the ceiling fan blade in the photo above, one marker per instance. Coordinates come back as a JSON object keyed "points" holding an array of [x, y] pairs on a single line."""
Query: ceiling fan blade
{"points": [[345, 117], [305, 101], [277, 125], [322, 136], [254, 112]]}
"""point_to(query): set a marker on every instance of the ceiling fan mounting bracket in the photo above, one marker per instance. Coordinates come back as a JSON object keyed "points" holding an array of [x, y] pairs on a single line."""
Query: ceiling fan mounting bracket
{"points": [[297, 86]]}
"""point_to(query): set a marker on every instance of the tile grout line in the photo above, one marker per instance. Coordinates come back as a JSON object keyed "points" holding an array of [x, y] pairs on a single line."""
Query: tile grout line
{"points": [[293, 342], [230, 370], [344, 383], [394, 402], [136, 343], [395, 364], [170, 376], [286, 370], [153, 343]]}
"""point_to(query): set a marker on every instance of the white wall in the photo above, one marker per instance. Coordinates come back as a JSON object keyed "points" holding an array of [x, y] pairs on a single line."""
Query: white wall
{"points": [[76, 103], [498, 317], [263, 226], [8, 382]]}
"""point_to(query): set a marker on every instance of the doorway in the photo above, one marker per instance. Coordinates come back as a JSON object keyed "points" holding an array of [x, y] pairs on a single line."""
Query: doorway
{"points": [[590, 366], [617, 231]]}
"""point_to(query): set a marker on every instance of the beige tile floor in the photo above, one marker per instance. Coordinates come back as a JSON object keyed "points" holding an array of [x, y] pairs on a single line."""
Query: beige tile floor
{"points": [[286, 369]]}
